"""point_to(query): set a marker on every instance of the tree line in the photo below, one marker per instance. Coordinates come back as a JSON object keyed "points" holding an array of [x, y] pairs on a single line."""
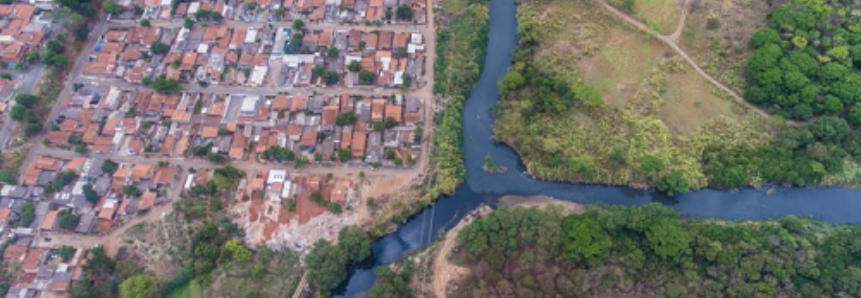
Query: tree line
{"points": [[612, 250]]}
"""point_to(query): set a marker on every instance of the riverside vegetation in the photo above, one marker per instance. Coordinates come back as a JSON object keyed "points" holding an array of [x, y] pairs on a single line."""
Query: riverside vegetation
{"points": [[648, 251], [583, 102], [460, 58], [461, 41]]}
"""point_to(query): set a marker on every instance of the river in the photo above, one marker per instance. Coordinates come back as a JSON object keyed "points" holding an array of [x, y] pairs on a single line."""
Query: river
{"points": [[839, 205]]}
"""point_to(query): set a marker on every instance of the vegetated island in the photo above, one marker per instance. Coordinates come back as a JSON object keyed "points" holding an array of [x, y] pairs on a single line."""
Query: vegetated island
{"points": [[492, 167], [591, 99], [648, 251]]}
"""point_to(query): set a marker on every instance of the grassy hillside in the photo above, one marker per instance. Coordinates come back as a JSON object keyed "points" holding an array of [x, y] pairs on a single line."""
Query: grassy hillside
{"points": [[629, 113], [650, 252], [591, 99]]}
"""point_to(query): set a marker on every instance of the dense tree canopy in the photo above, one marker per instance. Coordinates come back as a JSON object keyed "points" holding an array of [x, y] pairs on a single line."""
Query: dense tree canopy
{"points": [[138, 286], [651, 249], [326, 266], [585, 240], [806, 60]]}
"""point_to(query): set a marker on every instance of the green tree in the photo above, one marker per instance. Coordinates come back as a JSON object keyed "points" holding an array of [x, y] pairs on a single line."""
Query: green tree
{"points": [[764, 37], [318, 71], [28, 215], [109, 166], [589, 95], [674, 184], [164, 85], [355, 243], [327, 266], [331, 78], [584, 240], [390, 122], [513, 80], [332, 52], [802, 112], [132, 191], [392, 284], [66, 252], [854, 115], [347, 118], [67, 220], [354, 66], [335, 208], [90, 194], [26, 100], [188, 23], [17, 112], [111, 7], [366, 77], [138, 286], [145, 22], [668, 240], [407, 80], [344, 155], [157, 47], [298, 25], [295, 45], [400, 53], [404, 12], [651, 164]]}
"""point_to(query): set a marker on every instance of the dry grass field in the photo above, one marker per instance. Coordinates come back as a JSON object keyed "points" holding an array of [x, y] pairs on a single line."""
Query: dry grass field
{"points": [[655, 105]]}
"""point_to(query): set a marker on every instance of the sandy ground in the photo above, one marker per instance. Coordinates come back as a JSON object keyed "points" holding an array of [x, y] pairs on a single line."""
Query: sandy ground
{"points": [[541, 202], [376, 187], [444, 272]]}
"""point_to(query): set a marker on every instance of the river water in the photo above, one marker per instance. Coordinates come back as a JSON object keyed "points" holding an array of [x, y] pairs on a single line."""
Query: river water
{"points": [[840, 205]]}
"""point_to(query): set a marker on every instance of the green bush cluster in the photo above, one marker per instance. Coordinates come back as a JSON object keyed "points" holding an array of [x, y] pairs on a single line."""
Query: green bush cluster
{"points": [[26, 110]]}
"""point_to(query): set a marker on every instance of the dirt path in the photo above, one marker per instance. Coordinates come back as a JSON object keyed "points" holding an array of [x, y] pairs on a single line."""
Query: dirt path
{"points": [[681, 26], [668, 40], [443, 270]]}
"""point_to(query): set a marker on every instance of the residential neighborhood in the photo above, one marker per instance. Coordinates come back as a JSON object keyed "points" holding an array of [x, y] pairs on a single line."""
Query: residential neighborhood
{"points": [[384, 131], [165, 92], [80, 195]]}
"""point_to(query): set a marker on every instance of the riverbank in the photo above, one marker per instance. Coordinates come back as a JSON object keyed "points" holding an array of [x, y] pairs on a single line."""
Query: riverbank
{"points": [[648, 251], [447, 274]]}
